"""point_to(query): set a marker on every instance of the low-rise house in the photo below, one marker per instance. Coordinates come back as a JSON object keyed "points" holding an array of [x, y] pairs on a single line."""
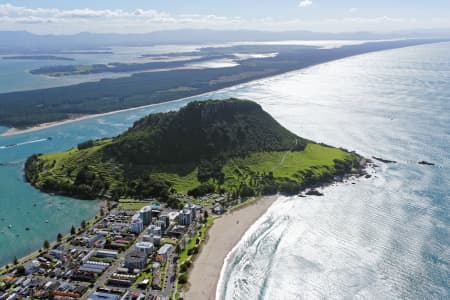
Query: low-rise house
{"points": [[218, 210], [102, 296], [107, 253], [31, 266], [94, 267]]}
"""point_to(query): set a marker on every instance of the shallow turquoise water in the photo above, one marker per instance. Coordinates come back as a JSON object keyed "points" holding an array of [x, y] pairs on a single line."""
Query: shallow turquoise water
{"points": [[383, 238]]}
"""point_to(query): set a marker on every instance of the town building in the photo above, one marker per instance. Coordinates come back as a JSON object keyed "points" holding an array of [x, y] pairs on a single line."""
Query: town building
{"points": [[163, 252], [192, 208], [166, 219], [146, 215], [144, 247], [94, 267], [103, 296], [136, 226], [154, 230], [107, 253], [185, 217], [161, 224], [135, 260]]}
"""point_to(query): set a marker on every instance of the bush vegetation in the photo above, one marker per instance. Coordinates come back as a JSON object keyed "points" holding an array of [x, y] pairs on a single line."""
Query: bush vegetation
{"points": [[229, 146]]}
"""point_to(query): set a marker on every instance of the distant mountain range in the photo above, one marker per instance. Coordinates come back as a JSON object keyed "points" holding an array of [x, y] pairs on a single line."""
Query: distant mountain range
{"points": [[28, 42]]}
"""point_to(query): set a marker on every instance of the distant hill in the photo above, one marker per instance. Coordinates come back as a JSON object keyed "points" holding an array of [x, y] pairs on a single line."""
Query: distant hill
{"points": [[230, 146], [27, 42]]}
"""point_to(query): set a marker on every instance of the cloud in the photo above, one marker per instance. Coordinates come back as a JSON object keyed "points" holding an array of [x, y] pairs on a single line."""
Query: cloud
{"points": [[68, 21], [305, 3], [352, 10]]}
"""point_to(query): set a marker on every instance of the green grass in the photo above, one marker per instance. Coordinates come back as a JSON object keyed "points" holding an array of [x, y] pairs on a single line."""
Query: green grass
{"points": [[181, 183], [132, 205], [146, 273], [284, 165], [192, 243], [66, 165]]}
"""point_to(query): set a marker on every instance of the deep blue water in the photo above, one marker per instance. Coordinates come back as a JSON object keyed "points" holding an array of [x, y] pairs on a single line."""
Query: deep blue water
{"points": [[386, 237]]}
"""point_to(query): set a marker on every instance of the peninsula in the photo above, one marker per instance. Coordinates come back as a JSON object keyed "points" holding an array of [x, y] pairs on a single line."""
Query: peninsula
{"points": [[38, 57], [30, 108], [229, 147], [174, 183]]}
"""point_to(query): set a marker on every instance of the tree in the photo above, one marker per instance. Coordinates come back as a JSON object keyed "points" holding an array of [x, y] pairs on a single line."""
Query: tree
{"points": [[59, 237], [182, 279], [15, 262], [20, 270], [85, 145], [83, 224], [205, 215], [46, 244], [178, 249], [73, 230]]}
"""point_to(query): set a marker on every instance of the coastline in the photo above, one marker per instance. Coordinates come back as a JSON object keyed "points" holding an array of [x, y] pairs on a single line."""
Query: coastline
{"points": [[11, 131], [223, 236]]}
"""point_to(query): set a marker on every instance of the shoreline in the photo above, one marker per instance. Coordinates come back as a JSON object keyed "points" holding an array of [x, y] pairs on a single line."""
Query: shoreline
{"points": [[207, 266], [11, 131], [206, 273]]}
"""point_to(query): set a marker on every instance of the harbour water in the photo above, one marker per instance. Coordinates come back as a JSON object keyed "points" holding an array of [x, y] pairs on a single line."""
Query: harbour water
{"points": [[386, 237]]}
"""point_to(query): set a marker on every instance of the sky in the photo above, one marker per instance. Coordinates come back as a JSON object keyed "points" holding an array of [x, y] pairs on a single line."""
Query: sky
{"points": [[139, 16]]}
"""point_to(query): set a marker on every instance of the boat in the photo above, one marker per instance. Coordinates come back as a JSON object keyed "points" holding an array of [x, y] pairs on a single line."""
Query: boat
{"points": [[27, 228], [49, 138], [10, 226], [46, 221]]}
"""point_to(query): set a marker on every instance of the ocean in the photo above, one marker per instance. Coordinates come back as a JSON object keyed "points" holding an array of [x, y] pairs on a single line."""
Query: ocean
{"points": [[386, 237]]}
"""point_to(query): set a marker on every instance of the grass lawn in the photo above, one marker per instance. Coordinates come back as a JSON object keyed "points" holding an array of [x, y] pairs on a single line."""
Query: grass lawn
{"points": [[315, 162], [132, 205], [200, 234], [147, 273], [284, 165]]}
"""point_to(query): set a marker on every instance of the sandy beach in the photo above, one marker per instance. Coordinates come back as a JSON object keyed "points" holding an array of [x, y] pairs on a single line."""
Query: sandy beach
{"points": [[16, 131], [224, 234]]}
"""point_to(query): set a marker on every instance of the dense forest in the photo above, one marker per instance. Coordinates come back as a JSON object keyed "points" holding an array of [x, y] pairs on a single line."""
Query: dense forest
{"points": [[28, 108], [229, 146]]}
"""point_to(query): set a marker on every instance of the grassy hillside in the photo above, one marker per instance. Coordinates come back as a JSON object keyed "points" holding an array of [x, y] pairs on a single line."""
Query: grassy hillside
{"points": [[229, 146]]}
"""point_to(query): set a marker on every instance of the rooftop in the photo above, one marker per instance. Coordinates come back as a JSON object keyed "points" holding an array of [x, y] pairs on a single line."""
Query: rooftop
{"points": [[135, 256], [164, 249], [102, 296]]}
